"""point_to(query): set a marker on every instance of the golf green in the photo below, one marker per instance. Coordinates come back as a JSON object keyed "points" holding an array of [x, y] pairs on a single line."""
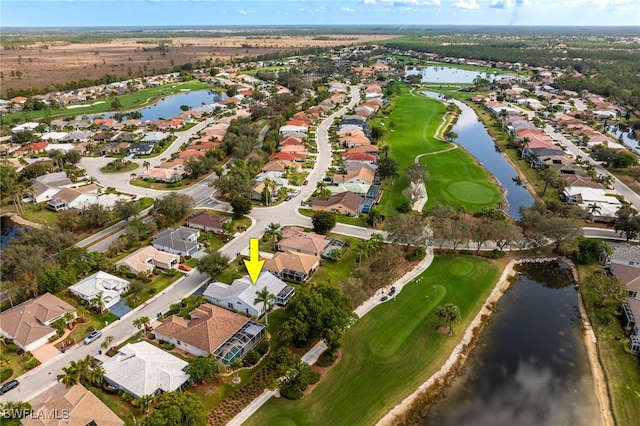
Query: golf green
{"points": [[471, 192], [460, 267]]}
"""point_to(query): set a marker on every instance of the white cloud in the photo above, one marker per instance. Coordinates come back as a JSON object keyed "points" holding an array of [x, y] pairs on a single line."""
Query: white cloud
{"points": [[348, 10], [467, 4], [502, 4], [405, 2]]}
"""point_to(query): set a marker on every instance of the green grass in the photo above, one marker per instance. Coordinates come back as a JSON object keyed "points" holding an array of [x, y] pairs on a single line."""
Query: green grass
{"points": [[356, 221], [122, 408], [119, 167], [334, 272], [129, 101], [392, 350], [40, 214], [621, 367], [455, 176], [14, 364]]}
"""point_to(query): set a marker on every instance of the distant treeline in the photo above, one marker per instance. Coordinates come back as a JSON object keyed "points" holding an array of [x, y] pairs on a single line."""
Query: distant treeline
{"points": [[609, 65]]}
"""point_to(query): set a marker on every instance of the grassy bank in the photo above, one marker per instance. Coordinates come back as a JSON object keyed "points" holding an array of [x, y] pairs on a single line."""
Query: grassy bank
{"points": [[128, 101], [455, 176], [392, 350], [620, 366]]}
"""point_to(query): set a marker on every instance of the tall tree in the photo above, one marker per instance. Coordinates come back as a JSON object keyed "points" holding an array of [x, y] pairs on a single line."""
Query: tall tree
{"points": [[213, 264], [323, 222], [176, 409], [126, 209], [407, 229], [201, 368], [266, 298], [449, 313], [171, 208]]}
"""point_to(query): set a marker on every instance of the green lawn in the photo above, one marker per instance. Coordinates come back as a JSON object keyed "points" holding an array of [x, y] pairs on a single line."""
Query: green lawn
{"points": [[455, 177], [392, 350], [129, 101], [357, 221]]}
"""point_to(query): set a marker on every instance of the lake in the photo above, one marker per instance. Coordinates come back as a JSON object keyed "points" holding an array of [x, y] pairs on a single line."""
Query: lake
{"points": [[452, 75], [474, 138], [531, 366], [626, 135], [170, 105], [8, 231]]}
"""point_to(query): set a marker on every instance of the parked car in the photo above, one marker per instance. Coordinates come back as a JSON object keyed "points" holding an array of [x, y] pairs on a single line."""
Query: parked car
{"points": [[383, 298], [306, 182], [94, 335], [184, 267], [288, 197], [295, 193], [392, 291], [8, 386]]}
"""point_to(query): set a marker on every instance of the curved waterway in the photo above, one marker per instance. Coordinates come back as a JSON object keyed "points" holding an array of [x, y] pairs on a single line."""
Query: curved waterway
{"points": [[531, 365], [474, 138]]}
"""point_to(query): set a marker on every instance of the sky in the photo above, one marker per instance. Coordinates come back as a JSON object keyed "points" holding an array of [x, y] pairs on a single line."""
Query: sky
{"points": [[93, 13]]}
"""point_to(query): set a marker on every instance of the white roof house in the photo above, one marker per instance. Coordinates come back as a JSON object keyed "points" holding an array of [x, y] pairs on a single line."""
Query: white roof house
{"points": [[240, 296], [290, 129], [144, 369], [101, 282]]}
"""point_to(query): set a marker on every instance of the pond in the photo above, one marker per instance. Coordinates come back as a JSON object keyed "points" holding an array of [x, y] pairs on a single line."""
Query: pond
{"points": [[531, 366], [169, 106], [8, 231], [452, 75], [474, 138], [627, 135]]}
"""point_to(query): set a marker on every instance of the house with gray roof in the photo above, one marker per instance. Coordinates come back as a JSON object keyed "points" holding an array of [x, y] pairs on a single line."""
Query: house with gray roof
{"points": [[141, 369], [182, 241], [241, 294]]}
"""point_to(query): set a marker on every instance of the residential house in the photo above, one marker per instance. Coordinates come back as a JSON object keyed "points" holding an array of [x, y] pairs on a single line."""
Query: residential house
{"points": [[182, 241], [46, 186], [362, 175], [281, 166], [346, 203], [100, 284], [78, 136], [141, 369], [114, 148], [208, 222], [32, 148], [160, 174], [291, 266], [184, 155], [360, 189], [70, 198], [75, 405], [364, 149], [258, 190], [141, 148], [288, 129], [359, 158], [29, 323], [625, 265], [241, 294], [296, 240], [154, 137], [275, 178], [147, 258], [287, 156], [212, 330]]}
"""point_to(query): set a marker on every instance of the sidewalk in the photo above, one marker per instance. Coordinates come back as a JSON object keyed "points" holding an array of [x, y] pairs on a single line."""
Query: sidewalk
{"points": [[312, 355]]}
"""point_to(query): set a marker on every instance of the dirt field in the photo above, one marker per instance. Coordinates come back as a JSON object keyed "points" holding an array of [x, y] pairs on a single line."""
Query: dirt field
{"points": [[59, 62]]}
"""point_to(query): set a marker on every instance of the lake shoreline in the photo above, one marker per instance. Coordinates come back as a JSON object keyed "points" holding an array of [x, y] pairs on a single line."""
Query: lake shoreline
{"points": [[420, 399]]}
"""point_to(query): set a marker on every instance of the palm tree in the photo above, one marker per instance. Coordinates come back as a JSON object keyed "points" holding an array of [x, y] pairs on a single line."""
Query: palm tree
{"points": [[68, 318], [273, 231], [448, 313], [74, 372], [141, 322], [146, 164], [107, 342], [98, 302], [593, 208], [95, 374], [83, 312], [263, 296], [144, 402]]}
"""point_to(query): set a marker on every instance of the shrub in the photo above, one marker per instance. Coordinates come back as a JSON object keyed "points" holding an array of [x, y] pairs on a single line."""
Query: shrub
{"points": [[314, 377], [90, 329], [416, 254], [168, 346], [262, 347], [251, 358], [493, 254], [12, 347], [32, 363], [290, 392], [127, 397], [326, 359], [5, 374], [53, 338]]}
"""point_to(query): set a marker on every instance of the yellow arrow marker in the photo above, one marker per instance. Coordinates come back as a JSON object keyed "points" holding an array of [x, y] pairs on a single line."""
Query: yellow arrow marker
{"points": [[254, 266]]}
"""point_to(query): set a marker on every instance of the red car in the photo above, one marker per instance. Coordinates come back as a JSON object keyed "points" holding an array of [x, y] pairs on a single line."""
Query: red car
{"points": [[305, 182], [184, 267]]}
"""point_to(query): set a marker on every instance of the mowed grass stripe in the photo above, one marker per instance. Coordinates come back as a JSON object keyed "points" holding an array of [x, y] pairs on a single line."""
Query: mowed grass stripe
{"points": [[455, 176], [373, 377]]}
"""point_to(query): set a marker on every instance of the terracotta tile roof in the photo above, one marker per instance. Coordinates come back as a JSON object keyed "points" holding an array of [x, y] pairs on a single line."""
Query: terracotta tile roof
{"points": [[299, 262], [291, 140], [36, 146], [363, 173], [296, 238], [286, 156], [26, 322], [280, 166], [362, 148], [208, 328], [82, 406], [191, 153], [358, 157]]}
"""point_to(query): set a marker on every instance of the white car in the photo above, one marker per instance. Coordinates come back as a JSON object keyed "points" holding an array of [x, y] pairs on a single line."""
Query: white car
{"points": [[94, 335]]}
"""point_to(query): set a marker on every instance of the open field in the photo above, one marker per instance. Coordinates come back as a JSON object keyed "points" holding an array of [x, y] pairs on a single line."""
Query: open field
{"points": [[57, 62], [392, 350], [456, 178]]}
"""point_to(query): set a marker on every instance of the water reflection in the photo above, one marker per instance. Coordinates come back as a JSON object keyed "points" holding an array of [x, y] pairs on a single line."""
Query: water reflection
{"points": [[532, 368], [452, 75]]}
